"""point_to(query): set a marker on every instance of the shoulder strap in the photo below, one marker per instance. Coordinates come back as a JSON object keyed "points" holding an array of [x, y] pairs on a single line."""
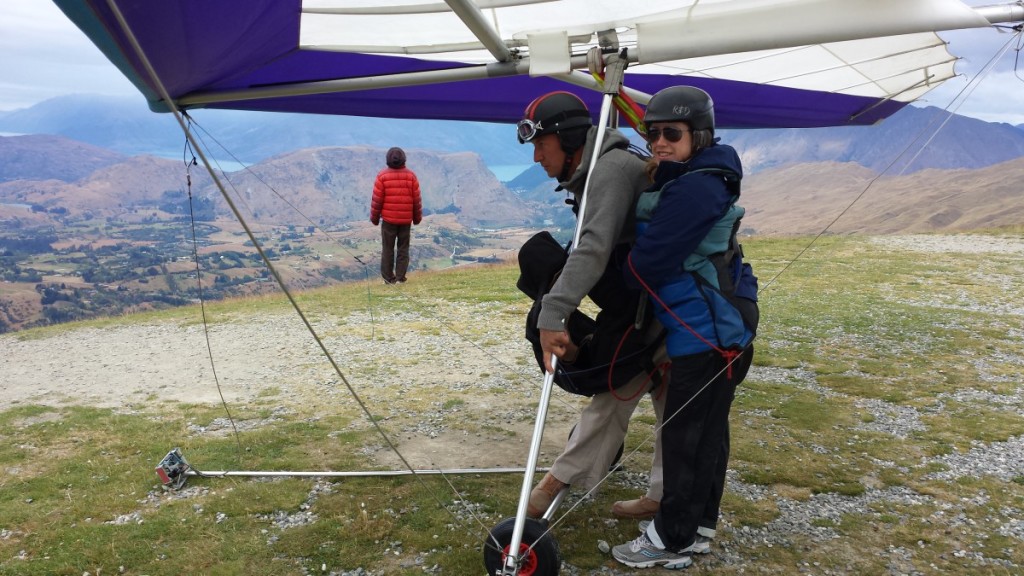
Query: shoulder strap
{"points": [[649, 200]]}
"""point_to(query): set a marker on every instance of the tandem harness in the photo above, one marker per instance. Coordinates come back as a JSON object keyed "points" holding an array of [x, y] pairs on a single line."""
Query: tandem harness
{"points": [[613, 350]]}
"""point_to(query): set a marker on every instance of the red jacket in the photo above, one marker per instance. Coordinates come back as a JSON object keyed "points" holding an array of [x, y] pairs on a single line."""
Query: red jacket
{"points": [[396, 197]]}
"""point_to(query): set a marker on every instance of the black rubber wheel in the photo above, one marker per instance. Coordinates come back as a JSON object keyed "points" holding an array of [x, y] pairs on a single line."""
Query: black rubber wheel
{"points": [[542, 560], [618, 455]]}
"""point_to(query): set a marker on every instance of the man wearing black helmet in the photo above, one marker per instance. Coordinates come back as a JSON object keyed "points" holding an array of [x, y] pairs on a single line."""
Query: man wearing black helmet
{"points": [[559, 127], [687, 257]]}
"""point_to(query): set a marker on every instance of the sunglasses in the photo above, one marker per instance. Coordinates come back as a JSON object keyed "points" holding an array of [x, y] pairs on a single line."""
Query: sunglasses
{"points": [[671, 134]]}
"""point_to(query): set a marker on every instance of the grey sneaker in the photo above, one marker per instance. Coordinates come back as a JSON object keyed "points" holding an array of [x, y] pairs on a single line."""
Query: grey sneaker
{"points": [[641, 553], [702, 545]]}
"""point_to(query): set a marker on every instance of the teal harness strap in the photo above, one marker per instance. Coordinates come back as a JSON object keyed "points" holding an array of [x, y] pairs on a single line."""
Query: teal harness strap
{"points": [[648, 201]]}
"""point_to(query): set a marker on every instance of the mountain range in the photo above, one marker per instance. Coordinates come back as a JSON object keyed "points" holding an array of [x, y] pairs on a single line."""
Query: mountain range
{"points": [[51, 180], [84, 161], [126, 125], [912, 139]]}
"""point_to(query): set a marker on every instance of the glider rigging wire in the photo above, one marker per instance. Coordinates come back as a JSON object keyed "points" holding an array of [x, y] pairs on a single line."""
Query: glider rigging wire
{"points": [[249, 170], [961, 97], [987, 69], [234, 209], [426, 311], [199, 286], [1016, 57], [336, 239]]}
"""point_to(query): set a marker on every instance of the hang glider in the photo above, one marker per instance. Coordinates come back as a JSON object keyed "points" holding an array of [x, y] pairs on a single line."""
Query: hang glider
{"points": [[768, 63]]}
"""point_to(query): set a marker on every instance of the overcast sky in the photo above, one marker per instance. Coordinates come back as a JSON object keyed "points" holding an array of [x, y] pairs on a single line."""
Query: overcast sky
{"points": [[43, 55]]}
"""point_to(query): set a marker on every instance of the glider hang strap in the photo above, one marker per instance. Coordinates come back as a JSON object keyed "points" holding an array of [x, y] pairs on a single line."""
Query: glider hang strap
{"points": [[610, 78]]}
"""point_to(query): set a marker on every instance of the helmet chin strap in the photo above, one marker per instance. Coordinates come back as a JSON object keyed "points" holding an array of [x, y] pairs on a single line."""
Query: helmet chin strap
{"points": [[566, 168]]}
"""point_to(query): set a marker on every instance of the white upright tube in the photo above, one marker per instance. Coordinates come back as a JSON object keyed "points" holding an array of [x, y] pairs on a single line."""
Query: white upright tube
{"points": [[512, 560]]}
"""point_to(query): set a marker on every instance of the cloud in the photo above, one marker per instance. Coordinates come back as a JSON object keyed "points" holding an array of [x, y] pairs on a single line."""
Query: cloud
{"points": [[44, 55], [988, 85], [995, 98]]}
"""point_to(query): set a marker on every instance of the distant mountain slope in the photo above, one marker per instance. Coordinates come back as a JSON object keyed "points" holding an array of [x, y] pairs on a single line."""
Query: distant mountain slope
{"points": [[119, 190], [44, 157], [334, 184], [926, 138], [329, 185], [806, 198]]}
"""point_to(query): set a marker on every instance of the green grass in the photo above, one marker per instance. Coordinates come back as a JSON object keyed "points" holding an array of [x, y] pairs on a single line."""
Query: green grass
{"points": [[850, 327]]}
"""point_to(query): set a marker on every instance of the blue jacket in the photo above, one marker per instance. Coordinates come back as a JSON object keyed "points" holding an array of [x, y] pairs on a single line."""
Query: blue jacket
{"points": [[684, 223]]}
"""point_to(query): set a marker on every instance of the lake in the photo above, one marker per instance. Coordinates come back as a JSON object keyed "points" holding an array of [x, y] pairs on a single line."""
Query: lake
{"points": [[506, 172]]}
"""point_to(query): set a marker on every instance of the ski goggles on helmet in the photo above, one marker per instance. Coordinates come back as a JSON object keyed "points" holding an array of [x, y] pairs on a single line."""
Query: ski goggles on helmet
{"points": [[671, 134], [527, 130]]}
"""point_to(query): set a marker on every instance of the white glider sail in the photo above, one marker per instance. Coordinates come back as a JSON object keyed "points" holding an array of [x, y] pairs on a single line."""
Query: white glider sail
{"points": [[768, 63]]}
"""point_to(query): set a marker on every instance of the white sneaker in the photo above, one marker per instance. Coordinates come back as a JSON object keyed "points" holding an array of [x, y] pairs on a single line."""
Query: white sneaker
{"points": [[702, 545], [642, 553]]}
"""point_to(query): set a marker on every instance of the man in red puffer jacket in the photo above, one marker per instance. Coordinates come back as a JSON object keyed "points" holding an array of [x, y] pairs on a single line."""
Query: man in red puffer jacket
{"points": [[396, 199]]}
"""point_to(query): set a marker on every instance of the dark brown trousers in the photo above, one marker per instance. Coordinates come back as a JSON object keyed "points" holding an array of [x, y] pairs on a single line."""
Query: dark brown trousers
{"points": [[394, 256]]}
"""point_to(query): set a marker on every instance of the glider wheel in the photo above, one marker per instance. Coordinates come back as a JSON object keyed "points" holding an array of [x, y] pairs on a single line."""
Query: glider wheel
{"points": [[618, 455], [542, 560]]}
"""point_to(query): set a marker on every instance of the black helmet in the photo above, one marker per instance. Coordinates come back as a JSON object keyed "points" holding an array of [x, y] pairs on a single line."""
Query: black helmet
{"points": [[552, 113], [682, 104], [395, 157]]}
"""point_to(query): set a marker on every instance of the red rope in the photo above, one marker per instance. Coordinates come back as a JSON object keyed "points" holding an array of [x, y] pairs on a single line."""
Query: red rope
{"points": [[611, 367], [728, 355], [662, 368]]}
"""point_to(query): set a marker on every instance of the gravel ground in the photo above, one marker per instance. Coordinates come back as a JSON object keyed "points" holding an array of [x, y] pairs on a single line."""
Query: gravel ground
{"points": [[126, 367], [960, 243]]}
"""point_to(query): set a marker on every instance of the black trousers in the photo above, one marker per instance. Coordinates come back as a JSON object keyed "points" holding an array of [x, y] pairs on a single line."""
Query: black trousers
{"points": [[695, 443], [394, 255]]}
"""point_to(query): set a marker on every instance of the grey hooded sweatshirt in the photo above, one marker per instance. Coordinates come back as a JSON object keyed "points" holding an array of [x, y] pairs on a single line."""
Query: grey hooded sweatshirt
{"points": [[617, 180]]}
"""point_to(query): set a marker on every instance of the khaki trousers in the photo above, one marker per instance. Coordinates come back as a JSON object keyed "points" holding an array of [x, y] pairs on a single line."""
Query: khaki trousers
{"points": [[602, 427]]}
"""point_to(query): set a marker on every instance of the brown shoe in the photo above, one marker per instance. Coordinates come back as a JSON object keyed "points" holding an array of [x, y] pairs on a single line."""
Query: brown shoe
{"points": [[543, 494], [642, 507]]}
